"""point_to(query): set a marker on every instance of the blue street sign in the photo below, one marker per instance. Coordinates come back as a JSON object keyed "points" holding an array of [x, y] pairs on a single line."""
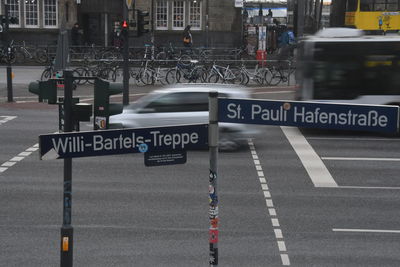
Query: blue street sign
{"points": [[309, 114], [111, 142]]}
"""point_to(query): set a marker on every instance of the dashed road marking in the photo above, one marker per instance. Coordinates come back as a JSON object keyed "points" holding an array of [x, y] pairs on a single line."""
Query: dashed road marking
{"points": [[270, 206], [14, 160]]}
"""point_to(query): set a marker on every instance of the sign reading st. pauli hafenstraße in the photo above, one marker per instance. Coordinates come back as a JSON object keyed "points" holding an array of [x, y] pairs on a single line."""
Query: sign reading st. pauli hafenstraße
{"points": [[112, 142], [377, 118]]}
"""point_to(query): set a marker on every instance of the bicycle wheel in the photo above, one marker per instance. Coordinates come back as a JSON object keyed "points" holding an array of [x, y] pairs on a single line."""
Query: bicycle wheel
{"points": [[107, 74], [46, 74], [147, 76], [244, 79], [173, 76], [41, 56], [259, 76], [229, 76], [213, 78], [197, 74], [272, 77], [137, 77], [237, 76], [119, 74], [80, 72], [160, 75]]}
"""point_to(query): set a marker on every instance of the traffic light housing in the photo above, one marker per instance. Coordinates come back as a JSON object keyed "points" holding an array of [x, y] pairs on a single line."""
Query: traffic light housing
{"points": [[124, 26], [46, 90], [142, 22], [103, 109]]}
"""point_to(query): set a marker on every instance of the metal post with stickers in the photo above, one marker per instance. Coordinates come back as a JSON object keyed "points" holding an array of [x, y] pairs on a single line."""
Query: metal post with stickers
{"points": [[213, 177]]}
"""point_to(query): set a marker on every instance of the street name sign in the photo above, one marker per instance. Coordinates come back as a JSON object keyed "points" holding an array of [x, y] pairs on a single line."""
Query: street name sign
{"points": [[112, 142], [377, 118]]}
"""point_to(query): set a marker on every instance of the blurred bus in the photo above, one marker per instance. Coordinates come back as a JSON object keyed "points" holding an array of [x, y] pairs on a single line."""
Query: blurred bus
{"points": [[343, 65], [373, 15]]}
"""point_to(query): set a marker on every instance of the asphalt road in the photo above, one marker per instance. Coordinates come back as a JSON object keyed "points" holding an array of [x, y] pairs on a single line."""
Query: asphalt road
{"points": [[291, 198]]}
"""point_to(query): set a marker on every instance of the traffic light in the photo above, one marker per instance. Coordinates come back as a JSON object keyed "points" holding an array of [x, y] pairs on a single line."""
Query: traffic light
{"points": [[102, 107], [124, 26], [142, 21], [46, 90]]}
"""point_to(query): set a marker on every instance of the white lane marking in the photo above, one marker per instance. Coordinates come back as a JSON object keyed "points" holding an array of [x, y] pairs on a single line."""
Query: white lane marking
{"points": [[270, 206], [281, 246], [353, 139], [285, 259], [278, 233], [360, 159], [4, 119], [8, 164], [316, 169], [366, 231], [18, 158], [275, 222], [369, 187], [272, 212], [24, 154]]}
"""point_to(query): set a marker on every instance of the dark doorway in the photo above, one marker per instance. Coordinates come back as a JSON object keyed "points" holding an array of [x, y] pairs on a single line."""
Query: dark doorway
{"points": [[93, 27]]}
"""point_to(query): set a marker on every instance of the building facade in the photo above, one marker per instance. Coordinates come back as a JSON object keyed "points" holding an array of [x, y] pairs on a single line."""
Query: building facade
{"points": [[214, 23], [39, 21]]}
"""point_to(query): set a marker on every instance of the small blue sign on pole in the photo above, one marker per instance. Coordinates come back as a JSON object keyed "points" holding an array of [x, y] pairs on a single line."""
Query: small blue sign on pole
{"points": [[377, 118], [112, 142]]}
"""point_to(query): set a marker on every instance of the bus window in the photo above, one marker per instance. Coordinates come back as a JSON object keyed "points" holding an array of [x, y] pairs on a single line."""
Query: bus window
{"points": [[366, 5], [392, 5], [347, 70], [351, 5], [380, 5]]}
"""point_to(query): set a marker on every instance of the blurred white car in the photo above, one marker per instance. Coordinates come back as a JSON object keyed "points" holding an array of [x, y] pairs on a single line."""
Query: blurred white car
{"points": [[185, 104]]}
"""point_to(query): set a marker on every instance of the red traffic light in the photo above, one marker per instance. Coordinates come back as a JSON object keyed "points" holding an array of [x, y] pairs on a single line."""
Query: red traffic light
{"points": [[124, 24]]}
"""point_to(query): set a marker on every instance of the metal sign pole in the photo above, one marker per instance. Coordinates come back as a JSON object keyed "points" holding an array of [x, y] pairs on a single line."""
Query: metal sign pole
{"points": [[125, 69], [66, 229], [213, 197]]}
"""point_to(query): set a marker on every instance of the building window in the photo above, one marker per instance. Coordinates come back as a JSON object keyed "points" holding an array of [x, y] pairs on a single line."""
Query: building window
{"points": [[31, 13], [162, 15], [195, 15], [14, 11], [178, 15], [50, 12]]}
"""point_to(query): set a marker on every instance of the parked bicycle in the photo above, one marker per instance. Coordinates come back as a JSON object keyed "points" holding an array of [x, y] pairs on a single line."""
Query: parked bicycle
{"points": [[186, 73], [36, 54], [246, 75], [222, 74]]}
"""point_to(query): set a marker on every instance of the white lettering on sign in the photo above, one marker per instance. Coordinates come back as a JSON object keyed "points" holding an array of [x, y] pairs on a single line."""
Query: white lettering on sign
{"points": [[268, 114], [372, 118], [99, 142], [234, 111], [177, 140], [314, 116]]}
